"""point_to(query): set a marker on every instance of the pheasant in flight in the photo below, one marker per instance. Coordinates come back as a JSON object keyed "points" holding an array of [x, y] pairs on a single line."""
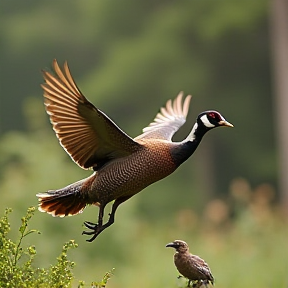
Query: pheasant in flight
{"points": [[122, 166]]}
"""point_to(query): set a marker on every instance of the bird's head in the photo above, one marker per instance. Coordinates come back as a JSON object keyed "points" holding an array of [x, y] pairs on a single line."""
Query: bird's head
{"points": [[212, 119], [179, 245]]}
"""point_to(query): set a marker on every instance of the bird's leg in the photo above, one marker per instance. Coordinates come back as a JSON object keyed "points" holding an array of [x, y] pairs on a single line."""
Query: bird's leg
{"points": [[94, 226], [98, 228], [115, 205]]}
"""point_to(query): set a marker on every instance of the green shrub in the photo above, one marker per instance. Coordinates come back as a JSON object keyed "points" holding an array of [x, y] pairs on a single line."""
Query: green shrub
{"points": [[16, 262]]}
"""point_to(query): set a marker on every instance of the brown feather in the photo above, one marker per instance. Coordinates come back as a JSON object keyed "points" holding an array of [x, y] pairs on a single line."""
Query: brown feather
{"points": [[86, 133], [190, 266], [123, 166]]}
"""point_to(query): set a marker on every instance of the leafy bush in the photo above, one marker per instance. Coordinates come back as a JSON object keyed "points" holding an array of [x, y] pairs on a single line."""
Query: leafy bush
{"points": [[16, 262]]}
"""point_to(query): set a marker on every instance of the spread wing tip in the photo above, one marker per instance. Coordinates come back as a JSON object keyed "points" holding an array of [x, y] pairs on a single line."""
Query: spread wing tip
{"points": [[169, 119]]}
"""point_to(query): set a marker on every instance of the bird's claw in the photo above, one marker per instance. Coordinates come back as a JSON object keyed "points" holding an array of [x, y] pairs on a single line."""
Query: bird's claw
{"points": [[95, 230], [90, 225]]}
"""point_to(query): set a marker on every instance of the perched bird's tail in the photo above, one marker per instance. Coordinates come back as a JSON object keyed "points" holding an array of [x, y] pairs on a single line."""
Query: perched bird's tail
{"points": [[67, 201]]}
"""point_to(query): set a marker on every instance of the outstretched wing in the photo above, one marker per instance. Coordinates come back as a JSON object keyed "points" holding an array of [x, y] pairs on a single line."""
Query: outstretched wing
{"points": [[168, 120], [86, 133]]}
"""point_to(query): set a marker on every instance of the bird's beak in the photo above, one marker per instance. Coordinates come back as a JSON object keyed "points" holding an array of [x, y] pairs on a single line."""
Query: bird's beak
{"points": [[170, 245], [225, 123]]}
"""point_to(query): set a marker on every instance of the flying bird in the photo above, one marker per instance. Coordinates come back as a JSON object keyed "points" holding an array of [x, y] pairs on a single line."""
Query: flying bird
{"points": [[122, 166], [191, 266]]}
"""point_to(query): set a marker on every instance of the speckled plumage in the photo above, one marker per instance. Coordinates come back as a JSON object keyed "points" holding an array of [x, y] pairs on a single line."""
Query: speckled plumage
{"points": [[122, 166], [127, 176]]}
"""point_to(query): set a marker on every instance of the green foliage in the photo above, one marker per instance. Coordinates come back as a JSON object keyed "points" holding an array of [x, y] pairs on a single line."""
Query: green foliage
{"points": [[16, 262], [16, 271], [128, 57], [104, 281]]}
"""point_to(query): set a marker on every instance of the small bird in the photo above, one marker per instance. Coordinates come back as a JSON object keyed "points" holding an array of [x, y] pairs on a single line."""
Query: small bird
{"points": [[191, 266], [122, 166]]}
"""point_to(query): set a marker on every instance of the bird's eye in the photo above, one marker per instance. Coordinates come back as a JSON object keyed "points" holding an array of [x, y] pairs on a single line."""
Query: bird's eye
{"points": [[214, 116]]}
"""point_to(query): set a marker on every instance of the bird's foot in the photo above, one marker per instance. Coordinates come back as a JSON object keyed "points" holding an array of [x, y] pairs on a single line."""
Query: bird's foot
{"points": [[95, 230], [91, 226]]}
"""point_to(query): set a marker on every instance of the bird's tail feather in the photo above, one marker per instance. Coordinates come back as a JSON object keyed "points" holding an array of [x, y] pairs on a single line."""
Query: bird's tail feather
{"points": [[63, 202]]}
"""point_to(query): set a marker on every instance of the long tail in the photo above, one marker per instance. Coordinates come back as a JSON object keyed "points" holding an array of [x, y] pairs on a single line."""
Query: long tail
{"points": [[67, 201]]}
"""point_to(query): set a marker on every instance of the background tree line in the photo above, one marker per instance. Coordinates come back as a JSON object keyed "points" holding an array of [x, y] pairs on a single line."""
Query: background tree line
{"points": [[129, 58]]}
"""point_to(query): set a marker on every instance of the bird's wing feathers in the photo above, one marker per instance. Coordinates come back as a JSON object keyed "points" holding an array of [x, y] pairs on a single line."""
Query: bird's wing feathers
{"points": [[168, 120], [202, 267], [85, 132]]}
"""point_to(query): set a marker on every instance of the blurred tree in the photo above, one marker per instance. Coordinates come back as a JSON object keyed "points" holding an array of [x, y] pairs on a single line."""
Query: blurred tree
{"points": [[279, 45], [129, 58]]}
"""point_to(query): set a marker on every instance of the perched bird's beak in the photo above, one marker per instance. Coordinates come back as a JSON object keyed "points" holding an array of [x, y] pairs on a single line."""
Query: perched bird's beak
{"points": [[225, 123], [172, 244]]}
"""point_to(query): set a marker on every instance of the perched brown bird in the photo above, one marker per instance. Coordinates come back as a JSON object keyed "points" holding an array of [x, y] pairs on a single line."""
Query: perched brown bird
{"points": [[191, 266], [122, 166]]}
